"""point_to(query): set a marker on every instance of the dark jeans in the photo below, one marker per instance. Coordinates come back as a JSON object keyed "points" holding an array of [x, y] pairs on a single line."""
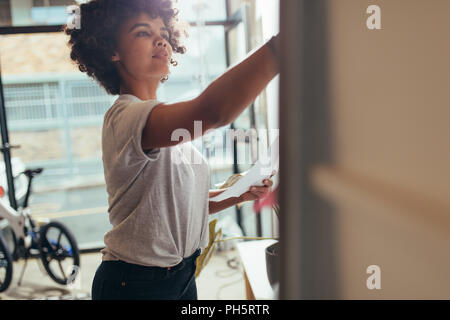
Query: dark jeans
{"points": [[119, 280]]}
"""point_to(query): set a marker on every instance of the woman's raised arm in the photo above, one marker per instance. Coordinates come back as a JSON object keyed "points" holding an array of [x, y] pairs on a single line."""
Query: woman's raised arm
{"points": [[218, 105], [239, 86]]}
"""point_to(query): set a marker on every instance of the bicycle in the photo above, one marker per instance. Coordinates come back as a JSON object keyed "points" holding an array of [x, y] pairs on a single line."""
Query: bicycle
{"points": [[21, 237]]}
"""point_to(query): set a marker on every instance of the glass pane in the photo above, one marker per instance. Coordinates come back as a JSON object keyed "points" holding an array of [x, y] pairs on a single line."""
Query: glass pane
{"points": [[213, 10], [48, 15], [53, 12], [204, 59], [55, 113], [237, 40]]}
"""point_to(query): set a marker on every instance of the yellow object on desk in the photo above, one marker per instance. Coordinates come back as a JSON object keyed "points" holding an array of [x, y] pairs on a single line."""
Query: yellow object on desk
{"points": [[204, 257]]}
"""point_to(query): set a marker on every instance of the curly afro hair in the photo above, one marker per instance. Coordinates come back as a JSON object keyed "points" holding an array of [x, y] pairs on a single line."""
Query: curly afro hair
{"points": [[93, 45]]}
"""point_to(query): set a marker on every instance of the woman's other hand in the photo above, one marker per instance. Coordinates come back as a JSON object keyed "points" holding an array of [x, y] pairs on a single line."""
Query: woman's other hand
{"points": [[257, 192]]}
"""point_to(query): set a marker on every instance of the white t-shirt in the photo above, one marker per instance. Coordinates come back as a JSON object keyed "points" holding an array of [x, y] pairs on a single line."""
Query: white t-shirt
{"points": [[158, 200]]}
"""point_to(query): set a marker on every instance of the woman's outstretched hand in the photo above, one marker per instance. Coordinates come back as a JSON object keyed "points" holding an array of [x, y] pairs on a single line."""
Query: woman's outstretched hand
{"points": [[257, 192]]}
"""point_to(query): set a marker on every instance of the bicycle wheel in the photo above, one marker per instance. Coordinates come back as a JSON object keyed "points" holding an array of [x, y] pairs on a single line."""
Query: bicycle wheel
{"points": [[59, 253], [6, 265]]}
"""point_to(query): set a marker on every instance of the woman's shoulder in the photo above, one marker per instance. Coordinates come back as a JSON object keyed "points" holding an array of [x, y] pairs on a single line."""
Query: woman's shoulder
{"points": [[129, 109], [122, 101]]}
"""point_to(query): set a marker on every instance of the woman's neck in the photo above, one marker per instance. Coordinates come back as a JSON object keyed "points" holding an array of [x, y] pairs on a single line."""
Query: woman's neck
{"points": [[144, 91]]}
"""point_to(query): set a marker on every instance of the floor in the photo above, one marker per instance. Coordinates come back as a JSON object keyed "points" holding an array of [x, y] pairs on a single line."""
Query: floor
{"points": [[221, 279]]}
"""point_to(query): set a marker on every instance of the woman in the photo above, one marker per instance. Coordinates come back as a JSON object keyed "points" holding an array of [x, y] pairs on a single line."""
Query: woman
{"points": [[158, 197]]}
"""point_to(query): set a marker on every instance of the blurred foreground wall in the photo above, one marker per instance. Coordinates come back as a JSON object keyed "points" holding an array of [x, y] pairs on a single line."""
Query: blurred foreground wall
{"points": [[374, 150]]}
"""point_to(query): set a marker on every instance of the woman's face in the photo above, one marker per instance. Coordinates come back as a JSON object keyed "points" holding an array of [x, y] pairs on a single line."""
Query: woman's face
{"points": [[143, 49]]}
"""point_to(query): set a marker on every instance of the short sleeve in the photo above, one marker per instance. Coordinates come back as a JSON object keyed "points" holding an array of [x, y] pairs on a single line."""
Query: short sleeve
{"points": [[129, 123]]}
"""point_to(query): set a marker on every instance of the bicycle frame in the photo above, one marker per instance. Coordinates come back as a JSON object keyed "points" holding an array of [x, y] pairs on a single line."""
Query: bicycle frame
{"points": [[18, 221]]}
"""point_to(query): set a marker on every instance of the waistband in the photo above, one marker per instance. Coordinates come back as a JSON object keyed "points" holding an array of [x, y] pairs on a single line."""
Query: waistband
{"points": [[180, 265]]}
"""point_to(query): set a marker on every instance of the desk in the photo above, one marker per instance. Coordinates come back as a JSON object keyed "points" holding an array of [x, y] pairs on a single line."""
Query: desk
{"points": [[253, 257]]}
